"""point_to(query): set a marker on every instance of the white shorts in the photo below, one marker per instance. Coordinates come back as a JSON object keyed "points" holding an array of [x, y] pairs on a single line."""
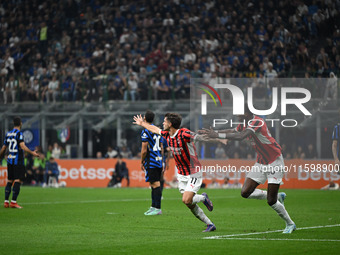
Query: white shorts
{"points": [[273, 172], [190, 183]]}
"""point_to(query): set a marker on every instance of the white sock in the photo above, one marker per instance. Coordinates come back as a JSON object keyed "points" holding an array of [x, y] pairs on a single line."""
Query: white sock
{"points": [[6, 201], [13, 201], [198, 212], [198, 198], [258, 194], [282, 212]]}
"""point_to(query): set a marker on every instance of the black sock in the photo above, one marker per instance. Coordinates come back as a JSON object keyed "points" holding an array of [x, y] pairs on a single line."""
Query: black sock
{"points": [[8, 190], [152, 197], [162, 184], [16, 190], [158, 197]]}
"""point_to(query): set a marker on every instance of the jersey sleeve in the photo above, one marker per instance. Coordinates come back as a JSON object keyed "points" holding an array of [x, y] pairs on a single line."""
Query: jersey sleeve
{"points": [[238, 128], [164, 133], [255, 125], [5, 142], [188, 136], [335, 135], [144, 136], [20, 137]]}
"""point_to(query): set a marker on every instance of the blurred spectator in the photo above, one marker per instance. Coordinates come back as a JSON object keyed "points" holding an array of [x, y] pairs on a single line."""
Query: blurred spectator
{"points": [[331, 91], [53, 89], [310, 153], [99, 155], [56, 151], [125, 152], [111, 153], [121, 172], [52, 170], [214, 184], [11, 89]]}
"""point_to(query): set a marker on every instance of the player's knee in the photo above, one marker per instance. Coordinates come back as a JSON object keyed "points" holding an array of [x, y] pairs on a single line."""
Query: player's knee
{"points": [[245, 193], [187, 201], [271, 200]]}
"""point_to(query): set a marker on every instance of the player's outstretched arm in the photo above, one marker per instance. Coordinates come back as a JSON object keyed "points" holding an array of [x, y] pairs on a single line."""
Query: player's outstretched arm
{"points": [[24, 148], [140, 122], [205, 138], [212, 133], [229, 135]]}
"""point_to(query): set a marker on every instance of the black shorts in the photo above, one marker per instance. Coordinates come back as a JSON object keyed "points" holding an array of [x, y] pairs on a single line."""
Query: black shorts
{"points": [[15, 172], [153, 174]]}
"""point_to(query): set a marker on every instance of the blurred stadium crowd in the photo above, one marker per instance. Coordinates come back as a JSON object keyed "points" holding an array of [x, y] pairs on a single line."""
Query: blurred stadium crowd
{"points": [[95, 50]]}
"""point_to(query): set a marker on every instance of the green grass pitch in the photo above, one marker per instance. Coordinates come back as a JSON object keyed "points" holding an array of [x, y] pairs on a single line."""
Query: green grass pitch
{"points": [[112, 221]]}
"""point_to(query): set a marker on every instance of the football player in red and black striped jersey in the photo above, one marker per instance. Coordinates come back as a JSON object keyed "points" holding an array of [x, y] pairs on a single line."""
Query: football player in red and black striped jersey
{"points": [[269, 163], [181, 143]]}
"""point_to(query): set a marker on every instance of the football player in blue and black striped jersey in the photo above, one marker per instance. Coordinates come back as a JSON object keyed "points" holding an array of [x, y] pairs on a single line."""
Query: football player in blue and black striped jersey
{"points": [[152, 164], [14, 141]]}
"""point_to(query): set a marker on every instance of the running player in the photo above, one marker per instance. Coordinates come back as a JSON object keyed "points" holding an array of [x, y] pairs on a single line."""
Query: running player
{"points": [[269, 158], [14, 141], [152, 164], [184, 152]]}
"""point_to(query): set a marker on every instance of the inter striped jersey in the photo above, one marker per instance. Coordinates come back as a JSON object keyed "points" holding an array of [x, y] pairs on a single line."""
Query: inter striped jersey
{"points": [[154, 154], [183, 150], [336, 136], [266, 147], [12, 142]]}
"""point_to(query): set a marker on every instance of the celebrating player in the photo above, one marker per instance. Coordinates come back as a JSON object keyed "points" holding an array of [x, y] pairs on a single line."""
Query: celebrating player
{"points": [[14, 141], [184, 152], [269, 163]]}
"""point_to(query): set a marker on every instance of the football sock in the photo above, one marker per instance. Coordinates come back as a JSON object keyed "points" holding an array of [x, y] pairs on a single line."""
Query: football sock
{"points": [[197, 198], [16, 190], [258, 194], [8, 190], [198, 212], [282, 212], [157, 197], [152, 197], [162, 185]]}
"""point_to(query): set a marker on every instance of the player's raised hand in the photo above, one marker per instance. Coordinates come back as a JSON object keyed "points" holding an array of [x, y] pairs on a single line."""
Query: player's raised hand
{"points": [[211, 133], [138, 120]]}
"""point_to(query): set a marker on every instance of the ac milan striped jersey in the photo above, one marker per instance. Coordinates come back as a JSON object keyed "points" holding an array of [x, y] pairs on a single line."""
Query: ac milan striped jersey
{"points": [[183, 150], [12, 142], [266, 147]]}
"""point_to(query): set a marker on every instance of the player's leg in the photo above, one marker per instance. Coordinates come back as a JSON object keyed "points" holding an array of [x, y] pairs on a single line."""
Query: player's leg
{"points": [[19, 177], [279, 207], [153, 176], [249, 189], [16, 191], [8, 188], [190, 198], [254, 178]]}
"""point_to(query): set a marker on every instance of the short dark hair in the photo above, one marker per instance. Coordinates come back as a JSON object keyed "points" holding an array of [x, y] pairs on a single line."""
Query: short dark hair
{"points": [[175, 119], [17, 121], [149, 116]]}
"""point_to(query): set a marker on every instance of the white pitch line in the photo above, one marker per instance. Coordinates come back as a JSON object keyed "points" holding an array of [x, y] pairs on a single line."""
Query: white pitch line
{"points": [[266, 232], [109, 200], [280, 239]]}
